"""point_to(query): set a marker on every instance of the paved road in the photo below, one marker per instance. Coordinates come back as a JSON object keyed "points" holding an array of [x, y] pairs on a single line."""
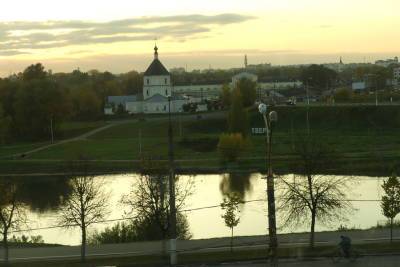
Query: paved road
{"points": [[193, 246], [369, 261]]}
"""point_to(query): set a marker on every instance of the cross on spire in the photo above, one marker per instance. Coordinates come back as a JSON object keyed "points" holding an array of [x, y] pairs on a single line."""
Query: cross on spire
{"points": [[155, 49]]}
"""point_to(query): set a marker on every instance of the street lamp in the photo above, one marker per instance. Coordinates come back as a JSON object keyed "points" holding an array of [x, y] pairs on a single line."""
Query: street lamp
{"points": [[270, 119], [172, 222]]}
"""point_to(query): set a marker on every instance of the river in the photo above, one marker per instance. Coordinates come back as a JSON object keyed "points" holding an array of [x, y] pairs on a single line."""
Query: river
{"points": [[205, 220]]}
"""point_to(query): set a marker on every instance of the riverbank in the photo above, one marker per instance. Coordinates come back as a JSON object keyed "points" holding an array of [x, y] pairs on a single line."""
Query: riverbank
{"points": [[358, 166], [365, 138]]}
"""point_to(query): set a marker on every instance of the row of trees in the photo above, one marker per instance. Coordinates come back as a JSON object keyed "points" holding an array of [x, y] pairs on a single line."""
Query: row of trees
{"points": [[36, 101]]}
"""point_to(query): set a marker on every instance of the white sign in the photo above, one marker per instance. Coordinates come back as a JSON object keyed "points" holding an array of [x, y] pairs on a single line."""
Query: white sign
{"points": [[258, 130]]}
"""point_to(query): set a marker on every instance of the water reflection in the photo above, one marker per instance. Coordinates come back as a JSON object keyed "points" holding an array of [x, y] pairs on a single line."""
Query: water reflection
{"points": [[239, 183], [41, 194], [203, 211]]}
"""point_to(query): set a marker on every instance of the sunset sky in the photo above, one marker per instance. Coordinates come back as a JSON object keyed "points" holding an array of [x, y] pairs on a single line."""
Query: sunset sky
{"points": [[119, 35]]}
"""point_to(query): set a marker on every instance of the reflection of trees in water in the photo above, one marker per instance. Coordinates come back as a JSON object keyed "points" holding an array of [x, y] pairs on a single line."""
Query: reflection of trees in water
{"points": [[41, 194], [239, 183]]}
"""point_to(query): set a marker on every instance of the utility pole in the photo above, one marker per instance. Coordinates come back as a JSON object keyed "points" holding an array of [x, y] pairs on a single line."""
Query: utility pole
{"points": [[140, 142], [172, 222], [308, 106], [376, 91], [51, 129], [269, 120]]}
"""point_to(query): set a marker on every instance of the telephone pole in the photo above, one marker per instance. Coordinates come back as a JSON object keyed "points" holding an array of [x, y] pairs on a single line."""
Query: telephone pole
{"points": [[172, 222]]}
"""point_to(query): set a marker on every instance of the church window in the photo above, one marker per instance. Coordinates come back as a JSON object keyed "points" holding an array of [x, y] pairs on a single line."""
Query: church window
{"points": [[147, 91], [148, 81], [165, 107], [166, 92], [166, 80]]}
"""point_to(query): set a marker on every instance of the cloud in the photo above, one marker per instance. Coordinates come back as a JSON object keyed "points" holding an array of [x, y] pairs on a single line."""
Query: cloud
{"points": [[12, 52], [19, 36]]}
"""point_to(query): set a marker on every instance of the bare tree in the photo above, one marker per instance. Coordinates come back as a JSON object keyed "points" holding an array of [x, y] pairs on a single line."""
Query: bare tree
{"points": [[85, 206], [12, 212], [310, 195], [149, 202]]}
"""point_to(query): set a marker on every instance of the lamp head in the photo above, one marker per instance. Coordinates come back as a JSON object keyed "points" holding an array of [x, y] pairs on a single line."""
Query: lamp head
{"points": [[262, 108], [273, 116]]}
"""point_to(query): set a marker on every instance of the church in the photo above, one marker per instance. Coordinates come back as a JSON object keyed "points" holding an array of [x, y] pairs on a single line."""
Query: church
{"points": [[157, 87]]}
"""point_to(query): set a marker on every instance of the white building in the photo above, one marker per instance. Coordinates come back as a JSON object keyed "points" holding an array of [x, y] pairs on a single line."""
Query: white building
{"points": [[157, 88], [356, 86]]}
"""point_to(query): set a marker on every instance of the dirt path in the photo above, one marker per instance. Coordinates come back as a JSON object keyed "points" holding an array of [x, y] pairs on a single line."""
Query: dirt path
{"points": [[109, 125], [80, 137]]}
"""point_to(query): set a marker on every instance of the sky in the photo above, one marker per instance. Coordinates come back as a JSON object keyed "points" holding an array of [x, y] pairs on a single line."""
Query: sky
{"points": [[119, 35]]}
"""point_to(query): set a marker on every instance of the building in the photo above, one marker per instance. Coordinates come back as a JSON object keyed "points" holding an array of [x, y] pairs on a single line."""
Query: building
{"points": [[358, 86], [157, 88], [200, 91], [385, 63], [396, 73]]}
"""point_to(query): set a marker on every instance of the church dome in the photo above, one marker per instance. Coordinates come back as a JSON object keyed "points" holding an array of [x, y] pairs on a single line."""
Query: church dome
{"points": [[156, 67]]}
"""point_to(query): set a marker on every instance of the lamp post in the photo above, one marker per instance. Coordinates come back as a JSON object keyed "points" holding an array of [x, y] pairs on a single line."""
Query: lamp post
{"points": [[172, 222], [270, 119]]}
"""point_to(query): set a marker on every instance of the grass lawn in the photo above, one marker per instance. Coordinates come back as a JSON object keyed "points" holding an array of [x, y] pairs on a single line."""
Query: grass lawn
{"points": [[365, 138]]}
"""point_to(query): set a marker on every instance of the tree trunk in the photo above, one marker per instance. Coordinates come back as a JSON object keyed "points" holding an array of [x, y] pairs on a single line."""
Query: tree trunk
{"points": [[232, 239], [312, 230], [5, 247], [391, 230], [83, 246]]}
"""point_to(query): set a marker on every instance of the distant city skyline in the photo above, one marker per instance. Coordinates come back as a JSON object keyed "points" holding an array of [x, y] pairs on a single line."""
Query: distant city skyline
{"points": [[119, 36]]}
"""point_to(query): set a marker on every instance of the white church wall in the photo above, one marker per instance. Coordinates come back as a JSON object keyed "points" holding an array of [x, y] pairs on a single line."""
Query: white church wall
{"points": [[134, 107]]}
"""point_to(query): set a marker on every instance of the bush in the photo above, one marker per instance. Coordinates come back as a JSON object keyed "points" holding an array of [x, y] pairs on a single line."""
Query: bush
{"points": [[231, 146], [138, 230]]}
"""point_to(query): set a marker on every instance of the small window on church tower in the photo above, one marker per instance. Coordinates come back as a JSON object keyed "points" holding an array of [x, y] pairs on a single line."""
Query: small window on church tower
{"points": [[147, 91], [166, 80], [148, 81], [166, 92]]}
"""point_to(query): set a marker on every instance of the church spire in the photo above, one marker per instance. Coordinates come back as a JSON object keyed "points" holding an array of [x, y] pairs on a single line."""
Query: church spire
{"points": [[245, 61], [155, 52], [341, 62]]}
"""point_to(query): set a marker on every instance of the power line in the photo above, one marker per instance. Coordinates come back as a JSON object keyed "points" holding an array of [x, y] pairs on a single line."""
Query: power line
{"points": [[185, 210]]}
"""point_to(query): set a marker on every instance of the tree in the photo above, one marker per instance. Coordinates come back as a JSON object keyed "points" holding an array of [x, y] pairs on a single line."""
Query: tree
{"points": [[33, 72], [38, 102], [5, 124], [318, 77], [86, 104], [231, 217], [226, 95], [231, 146], [85, 206], [12, 211], [309, 195], [238, 121], [391, 200], [248, 91], [149, 202]]}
